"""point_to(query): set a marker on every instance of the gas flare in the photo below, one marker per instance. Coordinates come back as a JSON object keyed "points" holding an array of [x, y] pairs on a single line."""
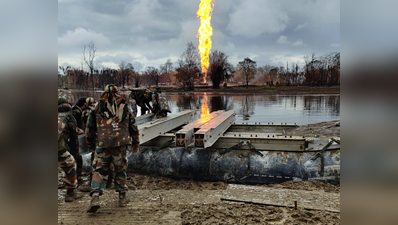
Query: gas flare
{"points": [[204, 111], [205, 32]]}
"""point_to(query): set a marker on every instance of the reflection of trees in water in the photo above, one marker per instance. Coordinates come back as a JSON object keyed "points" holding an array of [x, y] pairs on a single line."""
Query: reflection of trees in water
{"points": [[195, 101], [314, 104], [247, 106], [219, 102], [186, 101]]}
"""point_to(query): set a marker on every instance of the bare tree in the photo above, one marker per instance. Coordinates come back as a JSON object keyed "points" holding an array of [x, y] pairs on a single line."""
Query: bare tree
{"points": [[167, 67], [165, 71], [219, 68], [124, 72], [249, 68], [153, 75], [130, 72], [62, 78], [137, 68], [188, 67], [88, 54]]}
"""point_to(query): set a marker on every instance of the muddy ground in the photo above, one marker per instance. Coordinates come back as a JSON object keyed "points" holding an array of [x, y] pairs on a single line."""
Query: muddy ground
{"points": [[162, 200]]}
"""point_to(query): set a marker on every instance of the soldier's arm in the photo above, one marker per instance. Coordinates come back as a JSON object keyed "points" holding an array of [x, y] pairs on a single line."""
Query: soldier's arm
{"points": [[134, 133], [76, 114], [91, 130], [74, 140]]}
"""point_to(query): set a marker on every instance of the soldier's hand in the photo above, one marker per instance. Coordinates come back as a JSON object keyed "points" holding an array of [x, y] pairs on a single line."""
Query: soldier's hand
{"points": [[80, 131], [91, 150], [135, 149]]}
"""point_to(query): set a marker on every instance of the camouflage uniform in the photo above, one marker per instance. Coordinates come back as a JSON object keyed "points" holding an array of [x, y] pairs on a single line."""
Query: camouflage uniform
{"points": [[133, 106], [110, 136], [159, 103], [67, 130], [66, 95], [77, 112], [90, 105], [142, 98]]}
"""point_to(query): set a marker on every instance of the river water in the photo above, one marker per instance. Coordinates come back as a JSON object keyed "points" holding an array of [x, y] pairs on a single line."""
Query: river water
{"points": [[251, 108]]}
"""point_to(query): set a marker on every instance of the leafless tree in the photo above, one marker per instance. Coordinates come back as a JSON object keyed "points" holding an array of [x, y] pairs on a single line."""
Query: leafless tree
{"points": [[137, 67], [188, 67], [88, 55], [165, 71], [249, 68], [124, 72], [153, 75], [219, 68]]}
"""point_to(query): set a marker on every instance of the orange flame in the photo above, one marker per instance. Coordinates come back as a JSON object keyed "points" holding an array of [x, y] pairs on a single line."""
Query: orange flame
{"points": [[204, 33], [204, 111]]}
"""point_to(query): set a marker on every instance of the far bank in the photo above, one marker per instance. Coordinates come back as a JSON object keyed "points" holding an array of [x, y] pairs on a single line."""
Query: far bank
{"points": [[261, 89]]}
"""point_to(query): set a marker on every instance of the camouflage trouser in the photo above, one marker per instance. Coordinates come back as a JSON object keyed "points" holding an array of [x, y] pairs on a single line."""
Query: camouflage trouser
{"points": [[108, 160], [160, 114], [68, 165]]}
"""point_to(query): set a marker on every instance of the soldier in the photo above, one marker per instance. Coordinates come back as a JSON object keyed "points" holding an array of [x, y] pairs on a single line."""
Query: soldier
{"points": [[142, 98], [90, 105], [67, 130], [133, 105], [111, 129], [159, 103], [77, 112], [66, 94]]}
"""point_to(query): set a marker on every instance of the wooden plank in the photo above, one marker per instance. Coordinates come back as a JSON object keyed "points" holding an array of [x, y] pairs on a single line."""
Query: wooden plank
{"points": [[153, 129], [185, 136], [208, 134]]}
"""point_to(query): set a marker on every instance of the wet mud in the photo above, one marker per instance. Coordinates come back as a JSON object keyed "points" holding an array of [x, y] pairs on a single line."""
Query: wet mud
{"points": [[163, 200]]}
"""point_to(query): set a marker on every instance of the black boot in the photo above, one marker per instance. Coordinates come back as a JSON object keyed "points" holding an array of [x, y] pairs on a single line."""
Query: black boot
{"points": [[94, 204], [122, 199], [72, 195]]}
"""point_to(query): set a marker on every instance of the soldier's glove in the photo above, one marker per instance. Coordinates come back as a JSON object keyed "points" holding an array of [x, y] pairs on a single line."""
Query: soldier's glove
{"points": [[135, 147]]}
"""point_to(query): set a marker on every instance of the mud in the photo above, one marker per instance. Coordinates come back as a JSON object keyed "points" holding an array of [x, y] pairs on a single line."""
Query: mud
{"points": [[318, 130], [162, 200]]}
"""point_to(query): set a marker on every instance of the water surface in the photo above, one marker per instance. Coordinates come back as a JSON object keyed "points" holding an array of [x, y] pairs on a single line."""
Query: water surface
{"points": [[263, 108]]}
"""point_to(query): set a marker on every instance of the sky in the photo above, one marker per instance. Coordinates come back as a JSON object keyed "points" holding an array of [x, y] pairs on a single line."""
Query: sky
{"points": [[152, 31]]}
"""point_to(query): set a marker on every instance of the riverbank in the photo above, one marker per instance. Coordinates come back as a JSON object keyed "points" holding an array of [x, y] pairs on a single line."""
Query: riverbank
{"points": [[261, 89]]}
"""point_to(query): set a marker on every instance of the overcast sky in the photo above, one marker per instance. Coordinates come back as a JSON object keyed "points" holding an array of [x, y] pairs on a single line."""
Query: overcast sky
{"points": [[152, 31]]}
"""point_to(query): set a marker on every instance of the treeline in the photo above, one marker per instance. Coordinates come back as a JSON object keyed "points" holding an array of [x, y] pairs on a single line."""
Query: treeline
{"points": [[186, 72]]}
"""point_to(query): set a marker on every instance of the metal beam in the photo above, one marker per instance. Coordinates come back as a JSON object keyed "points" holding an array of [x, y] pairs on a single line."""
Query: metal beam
{"points": [[185, 136], [152, 129], [208, 134], [144, 118], [260, 127], [263, 142], [161, 140]]}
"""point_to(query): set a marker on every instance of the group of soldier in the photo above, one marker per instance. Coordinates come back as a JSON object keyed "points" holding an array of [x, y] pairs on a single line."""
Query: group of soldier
{"points": [[111, 130]]}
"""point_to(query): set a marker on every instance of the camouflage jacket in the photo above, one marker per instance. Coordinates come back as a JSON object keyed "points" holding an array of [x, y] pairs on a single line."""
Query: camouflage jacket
{"points": [[67, 135], [77, 112], [159, 103], [141, 97], [92, 130]]}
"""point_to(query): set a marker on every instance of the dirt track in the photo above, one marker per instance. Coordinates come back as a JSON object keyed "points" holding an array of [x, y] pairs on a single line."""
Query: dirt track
{"points": [[160, 200]]}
